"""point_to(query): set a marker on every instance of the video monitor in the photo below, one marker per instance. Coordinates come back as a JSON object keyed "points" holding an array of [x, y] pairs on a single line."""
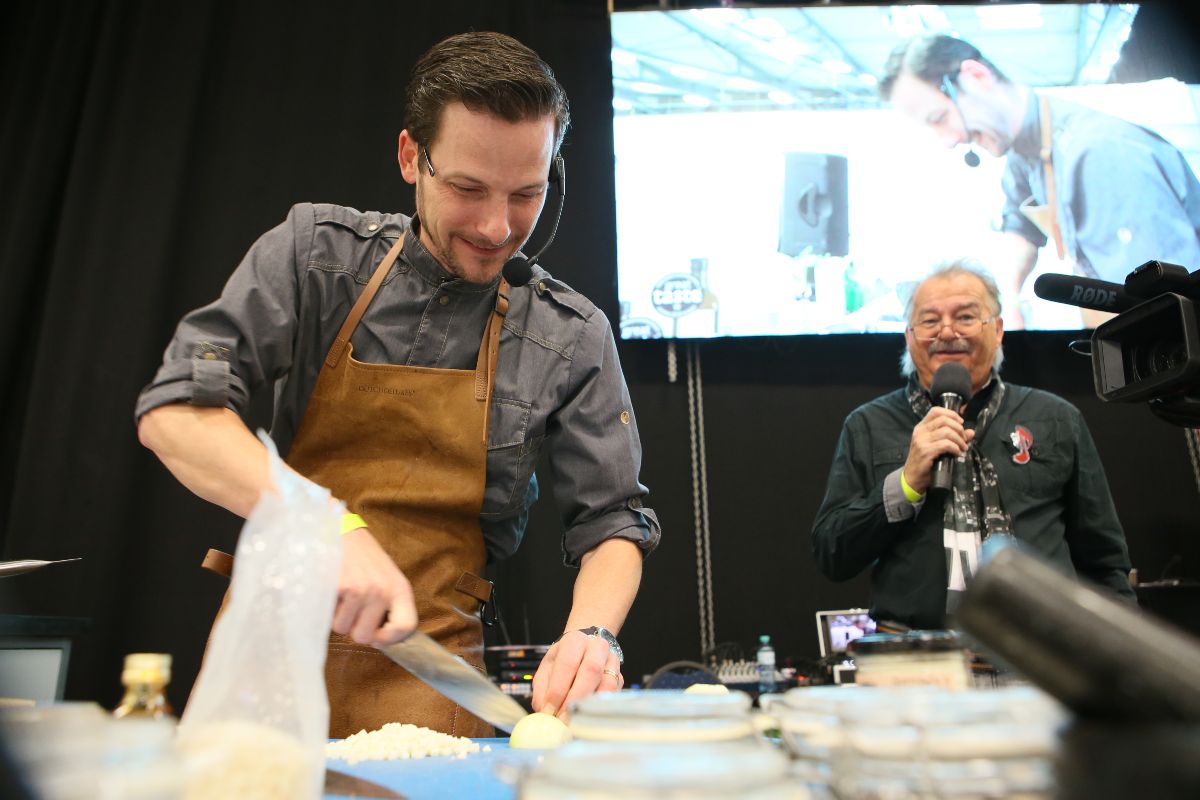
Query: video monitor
{"points": [[764, 187], [836, 629]]}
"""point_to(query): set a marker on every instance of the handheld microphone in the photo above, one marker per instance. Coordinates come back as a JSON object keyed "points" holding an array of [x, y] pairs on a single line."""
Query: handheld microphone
{"points": [[1084, 293], [950, 388], [971, 158], [518, 270]]}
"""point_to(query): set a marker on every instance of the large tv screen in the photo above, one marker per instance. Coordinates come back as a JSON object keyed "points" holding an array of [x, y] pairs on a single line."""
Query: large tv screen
{"points": [[765, 186]]}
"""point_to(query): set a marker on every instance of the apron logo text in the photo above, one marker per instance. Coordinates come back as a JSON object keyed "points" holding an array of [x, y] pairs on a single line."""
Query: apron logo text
{"points": [[386, 390]]}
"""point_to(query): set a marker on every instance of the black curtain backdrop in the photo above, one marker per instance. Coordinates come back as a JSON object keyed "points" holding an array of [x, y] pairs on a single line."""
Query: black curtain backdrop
{"points": [[145, 145]]}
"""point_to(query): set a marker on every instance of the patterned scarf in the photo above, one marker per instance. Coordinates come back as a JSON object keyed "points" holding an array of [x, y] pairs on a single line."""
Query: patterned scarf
{"points": [[974, 511]]}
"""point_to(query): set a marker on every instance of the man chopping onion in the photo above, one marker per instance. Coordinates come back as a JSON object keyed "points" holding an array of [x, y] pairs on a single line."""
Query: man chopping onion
{"points": [[420, 386]]}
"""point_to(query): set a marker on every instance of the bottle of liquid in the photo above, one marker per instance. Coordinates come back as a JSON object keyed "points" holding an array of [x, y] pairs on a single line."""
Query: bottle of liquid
{"points": [[854, 290], [145, 679], [140, 762], [766, 665]]}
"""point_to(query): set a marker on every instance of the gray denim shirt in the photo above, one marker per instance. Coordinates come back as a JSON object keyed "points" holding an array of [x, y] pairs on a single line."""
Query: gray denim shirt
{"points": [[1125, 194], [558, 381]]}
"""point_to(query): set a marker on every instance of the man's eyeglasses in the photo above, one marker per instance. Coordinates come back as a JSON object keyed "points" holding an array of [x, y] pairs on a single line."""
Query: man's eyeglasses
{"points": [[557, 169], [965, 324]]}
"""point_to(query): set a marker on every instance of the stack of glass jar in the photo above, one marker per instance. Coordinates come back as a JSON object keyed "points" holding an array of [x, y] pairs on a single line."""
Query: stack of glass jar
{"points": [[869, 743]]}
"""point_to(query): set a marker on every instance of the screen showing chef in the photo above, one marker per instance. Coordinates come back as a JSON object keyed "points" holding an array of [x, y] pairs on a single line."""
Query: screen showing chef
{"points": [[789, 171]]}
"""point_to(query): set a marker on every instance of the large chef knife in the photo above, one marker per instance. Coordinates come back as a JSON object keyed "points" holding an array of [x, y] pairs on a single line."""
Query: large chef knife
{"points": [[456, 679], [28, 565]]}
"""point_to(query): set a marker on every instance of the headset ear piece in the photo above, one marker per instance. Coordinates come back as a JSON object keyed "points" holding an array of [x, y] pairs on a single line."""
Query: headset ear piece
{"points": [[970, 158], [517, 270]]}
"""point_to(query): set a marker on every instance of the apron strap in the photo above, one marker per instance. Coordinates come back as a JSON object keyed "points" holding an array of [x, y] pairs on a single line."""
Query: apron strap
{"points": [[360, 306], [218, 561], [475, 586], [489, 350], [1048, 166]]}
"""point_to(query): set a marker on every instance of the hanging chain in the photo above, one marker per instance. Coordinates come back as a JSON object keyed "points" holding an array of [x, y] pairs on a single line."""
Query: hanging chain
{"points": [[708, 581], [1192, 435], [700, 500]]}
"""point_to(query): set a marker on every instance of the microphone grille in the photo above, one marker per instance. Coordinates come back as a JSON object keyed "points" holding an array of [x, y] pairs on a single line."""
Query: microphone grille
{"points": [[952, 378], [517, 271]]}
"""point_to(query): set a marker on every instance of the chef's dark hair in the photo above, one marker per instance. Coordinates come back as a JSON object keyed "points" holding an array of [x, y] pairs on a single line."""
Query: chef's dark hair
{"points": [[931, 57], [485, 71]]}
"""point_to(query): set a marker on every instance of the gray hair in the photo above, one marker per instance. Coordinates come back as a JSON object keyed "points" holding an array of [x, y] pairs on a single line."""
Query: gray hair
{"points": [[945, 271]]}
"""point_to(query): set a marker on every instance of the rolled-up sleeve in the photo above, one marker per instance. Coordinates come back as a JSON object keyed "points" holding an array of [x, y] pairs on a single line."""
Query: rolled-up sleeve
{"points": [[223, 352], [595, 453]]}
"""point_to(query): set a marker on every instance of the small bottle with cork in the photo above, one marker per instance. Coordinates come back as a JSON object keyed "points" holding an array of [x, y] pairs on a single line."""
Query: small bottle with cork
{"points": [[140, 762]]}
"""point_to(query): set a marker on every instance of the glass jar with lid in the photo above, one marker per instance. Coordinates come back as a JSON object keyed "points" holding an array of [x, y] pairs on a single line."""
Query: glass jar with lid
{"points": [[661, 716], [587, 770]]}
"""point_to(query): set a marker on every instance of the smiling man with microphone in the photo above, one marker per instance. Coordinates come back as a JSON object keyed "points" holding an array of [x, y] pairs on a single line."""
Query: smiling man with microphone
{"points": [[924, 474]]}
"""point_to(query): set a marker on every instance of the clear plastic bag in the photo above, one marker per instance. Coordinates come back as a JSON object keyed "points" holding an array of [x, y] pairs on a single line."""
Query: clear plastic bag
{"points": [[257, 721]]}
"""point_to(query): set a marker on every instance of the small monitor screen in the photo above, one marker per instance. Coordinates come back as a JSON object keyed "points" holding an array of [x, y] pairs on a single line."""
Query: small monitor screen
{"points": [[765, 186], [836, 629]]}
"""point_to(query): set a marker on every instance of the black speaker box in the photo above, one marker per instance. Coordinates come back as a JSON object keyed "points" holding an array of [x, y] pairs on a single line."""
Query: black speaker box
{"points": [[814, 214]]}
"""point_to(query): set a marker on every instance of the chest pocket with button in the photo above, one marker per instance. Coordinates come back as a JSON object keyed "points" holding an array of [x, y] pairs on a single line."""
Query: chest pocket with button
{"points": [[535, 357], [1049, 467], [512, 455], [885, 460]]}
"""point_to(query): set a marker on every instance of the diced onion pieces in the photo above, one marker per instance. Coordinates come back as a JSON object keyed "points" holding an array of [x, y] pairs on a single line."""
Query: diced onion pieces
{"points": [[397, 740]]}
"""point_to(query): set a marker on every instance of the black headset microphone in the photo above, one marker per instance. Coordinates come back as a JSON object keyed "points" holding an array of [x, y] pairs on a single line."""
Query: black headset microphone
{"points": [[970, 157], [518, 270]]}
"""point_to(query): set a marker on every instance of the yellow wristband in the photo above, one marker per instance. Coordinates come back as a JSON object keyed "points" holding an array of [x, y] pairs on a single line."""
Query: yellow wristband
{"points": [[910, 494], [352, 522]]}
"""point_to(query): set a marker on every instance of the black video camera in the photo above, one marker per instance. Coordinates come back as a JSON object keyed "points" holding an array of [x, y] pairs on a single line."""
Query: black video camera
{"points": [[1151, 349]]}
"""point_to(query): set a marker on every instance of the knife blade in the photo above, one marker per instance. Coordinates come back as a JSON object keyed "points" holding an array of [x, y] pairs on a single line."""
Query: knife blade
{"points": [[344, 784], [28, 565], [455, 678]]}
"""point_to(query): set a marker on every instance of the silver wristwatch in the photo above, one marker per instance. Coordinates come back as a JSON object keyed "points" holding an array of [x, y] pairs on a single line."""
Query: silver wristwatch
{"points": [[608, 636]]}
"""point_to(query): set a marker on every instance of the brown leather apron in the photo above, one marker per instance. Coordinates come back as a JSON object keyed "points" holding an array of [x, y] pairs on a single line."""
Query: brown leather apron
{"points": [[406, 447]]}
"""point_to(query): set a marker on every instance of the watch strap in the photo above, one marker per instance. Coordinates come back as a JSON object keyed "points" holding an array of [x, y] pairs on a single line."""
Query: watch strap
{"points": [[608, 636]]}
